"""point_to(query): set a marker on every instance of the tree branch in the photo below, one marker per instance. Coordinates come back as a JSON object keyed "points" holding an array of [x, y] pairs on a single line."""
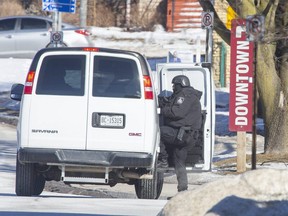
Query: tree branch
{"points": [[232, 4], [268, 7], [220, 27]]}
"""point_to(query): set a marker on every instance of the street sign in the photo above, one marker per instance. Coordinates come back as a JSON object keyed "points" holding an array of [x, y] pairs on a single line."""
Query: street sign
{"points": [[59, 7], [255, 27], [60, 1], [56, 37], [241, 78], [207, 20], [68, 6]]}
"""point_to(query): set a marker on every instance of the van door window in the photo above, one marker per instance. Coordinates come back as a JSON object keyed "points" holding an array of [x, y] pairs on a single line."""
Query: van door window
{"points": [[62, 75], [115, 77]]}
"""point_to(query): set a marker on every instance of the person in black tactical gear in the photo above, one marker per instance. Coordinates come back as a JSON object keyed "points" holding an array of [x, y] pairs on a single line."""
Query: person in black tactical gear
{"points": [[182, 121]]}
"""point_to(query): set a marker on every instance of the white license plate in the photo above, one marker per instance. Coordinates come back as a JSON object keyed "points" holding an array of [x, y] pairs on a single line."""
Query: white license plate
{"points": [[112, 120]]}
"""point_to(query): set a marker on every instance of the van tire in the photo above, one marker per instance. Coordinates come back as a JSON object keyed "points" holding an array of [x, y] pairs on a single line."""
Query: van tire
{"points": [[27, 181], [150, 188], [160, 182], [39, 185]]}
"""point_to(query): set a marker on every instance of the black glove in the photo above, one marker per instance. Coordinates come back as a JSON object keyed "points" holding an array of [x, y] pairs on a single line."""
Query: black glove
{"points": [[162, 101]]}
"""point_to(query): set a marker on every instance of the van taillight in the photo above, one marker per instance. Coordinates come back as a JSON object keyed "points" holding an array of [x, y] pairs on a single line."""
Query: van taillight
{"points": [[148, 87], [29, 82]]}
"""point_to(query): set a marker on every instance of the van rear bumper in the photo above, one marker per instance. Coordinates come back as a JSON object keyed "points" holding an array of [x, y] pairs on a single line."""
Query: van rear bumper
{"points": [[82, 157]]}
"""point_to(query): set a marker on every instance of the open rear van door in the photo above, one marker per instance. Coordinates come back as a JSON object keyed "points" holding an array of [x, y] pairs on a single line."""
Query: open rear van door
{"points": [[200, 156]]}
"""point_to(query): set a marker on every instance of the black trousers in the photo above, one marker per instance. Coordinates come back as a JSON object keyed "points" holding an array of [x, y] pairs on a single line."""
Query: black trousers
{"points": [[175, 154]]}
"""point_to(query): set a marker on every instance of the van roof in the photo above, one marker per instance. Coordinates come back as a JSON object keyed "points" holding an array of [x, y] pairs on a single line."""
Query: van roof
{"points": [[142, 59]]}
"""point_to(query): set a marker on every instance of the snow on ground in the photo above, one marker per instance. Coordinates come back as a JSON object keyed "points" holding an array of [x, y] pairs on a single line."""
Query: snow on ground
{"points": [[156, 43], [13, 71]]}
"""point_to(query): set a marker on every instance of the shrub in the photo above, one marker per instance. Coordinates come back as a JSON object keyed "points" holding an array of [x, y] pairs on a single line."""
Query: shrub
{"points": [[11, 8]]}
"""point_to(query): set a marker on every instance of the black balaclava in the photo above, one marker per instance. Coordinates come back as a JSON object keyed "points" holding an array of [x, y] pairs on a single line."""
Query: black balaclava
{"points": [[177, 87]]}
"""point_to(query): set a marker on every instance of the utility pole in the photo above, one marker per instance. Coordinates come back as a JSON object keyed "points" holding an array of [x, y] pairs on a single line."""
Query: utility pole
{"points": [[207, 23], [57, 21], [83, 13], [210, 38], [255, 30], [128, 9]]}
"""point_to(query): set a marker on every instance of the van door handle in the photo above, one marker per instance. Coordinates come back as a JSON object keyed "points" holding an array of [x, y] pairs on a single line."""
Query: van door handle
{"points": [[44, 34], [95, 119], [9, 36]]}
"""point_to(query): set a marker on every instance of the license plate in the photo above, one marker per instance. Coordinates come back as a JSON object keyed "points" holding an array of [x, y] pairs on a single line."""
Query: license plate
{"points": [[111, 120]]}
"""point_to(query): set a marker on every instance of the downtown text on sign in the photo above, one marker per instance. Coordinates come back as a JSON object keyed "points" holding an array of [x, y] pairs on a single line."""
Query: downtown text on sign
{"points": [[241, 78]]}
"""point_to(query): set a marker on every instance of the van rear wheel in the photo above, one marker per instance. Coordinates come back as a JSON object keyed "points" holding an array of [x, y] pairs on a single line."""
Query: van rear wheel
{"points": [[150, 188], [28, 183], [39, 185]]}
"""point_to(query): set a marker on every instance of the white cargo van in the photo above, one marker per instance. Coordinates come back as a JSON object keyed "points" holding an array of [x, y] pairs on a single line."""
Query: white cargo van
{"points": [[200, 156], [88, 115]]}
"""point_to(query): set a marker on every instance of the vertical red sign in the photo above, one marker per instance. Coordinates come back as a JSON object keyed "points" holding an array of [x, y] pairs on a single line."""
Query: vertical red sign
{"points": [[241, 78]]}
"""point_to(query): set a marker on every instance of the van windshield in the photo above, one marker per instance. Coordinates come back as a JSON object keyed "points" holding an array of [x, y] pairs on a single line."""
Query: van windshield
{"points": [[62, 75], [115, 77]]}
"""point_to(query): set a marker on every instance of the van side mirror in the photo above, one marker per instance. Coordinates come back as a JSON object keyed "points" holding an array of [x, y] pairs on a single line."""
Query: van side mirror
{"points": [[16, 92]]}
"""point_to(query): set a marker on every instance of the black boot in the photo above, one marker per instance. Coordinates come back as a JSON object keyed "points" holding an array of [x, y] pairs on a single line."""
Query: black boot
{"points": [[162, 163]]}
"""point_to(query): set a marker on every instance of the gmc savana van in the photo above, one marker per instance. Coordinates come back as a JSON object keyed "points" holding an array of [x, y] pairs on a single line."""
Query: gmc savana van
{"points": [[88, 115]]}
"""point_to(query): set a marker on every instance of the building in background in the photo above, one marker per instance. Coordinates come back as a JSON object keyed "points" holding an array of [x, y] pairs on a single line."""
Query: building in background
{"points": [[183, 14], [186, 14]]}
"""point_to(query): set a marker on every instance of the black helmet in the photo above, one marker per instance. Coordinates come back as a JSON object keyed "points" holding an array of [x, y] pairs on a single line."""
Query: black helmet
{"points": [[182, 80]]}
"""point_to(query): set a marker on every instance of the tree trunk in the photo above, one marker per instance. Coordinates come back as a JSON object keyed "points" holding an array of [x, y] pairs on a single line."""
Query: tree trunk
{"points": [[272, 81], [277, 132]]}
